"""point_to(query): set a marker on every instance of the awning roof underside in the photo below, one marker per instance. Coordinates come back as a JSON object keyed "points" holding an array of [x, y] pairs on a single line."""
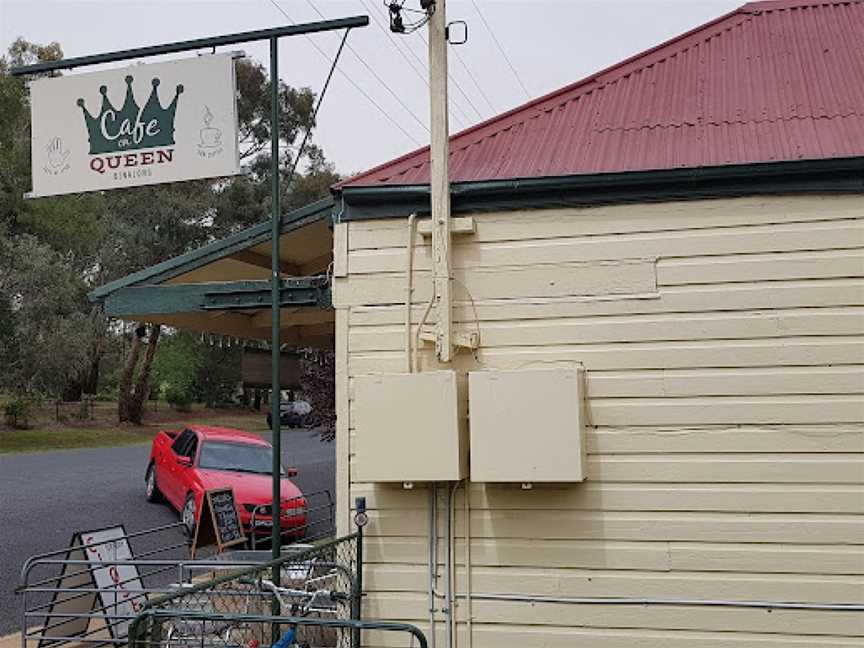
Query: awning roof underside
{"points": [[223, 288]]}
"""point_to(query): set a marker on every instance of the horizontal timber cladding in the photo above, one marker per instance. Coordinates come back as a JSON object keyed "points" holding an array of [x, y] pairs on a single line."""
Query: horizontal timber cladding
{"points": [[508, 636], [406, 607], [723, 342], [752, 558], [753, 239], [729, 469], [631, 496]]}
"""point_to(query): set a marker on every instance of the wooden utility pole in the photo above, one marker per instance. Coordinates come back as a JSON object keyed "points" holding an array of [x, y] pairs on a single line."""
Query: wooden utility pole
{"points": [[440, 184]]}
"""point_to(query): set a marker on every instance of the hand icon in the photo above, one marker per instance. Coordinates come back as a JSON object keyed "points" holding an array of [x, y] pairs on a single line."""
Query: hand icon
{"points": [[56, 155]]}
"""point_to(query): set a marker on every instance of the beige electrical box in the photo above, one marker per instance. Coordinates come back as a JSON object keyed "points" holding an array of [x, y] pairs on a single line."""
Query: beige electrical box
{"points": [[527, 425], [410, 427]]}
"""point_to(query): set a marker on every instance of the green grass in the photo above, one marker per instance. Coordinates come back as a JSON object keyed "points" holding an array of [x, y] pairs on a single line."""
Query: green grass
{"points": [[252, 423], [68, 438], [104, 433]]}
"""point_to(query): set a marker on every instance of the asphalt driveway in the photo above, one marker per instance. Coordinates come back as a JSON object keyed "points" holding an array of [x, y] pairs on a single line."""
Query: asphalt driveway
{"points": [[46, 496]]}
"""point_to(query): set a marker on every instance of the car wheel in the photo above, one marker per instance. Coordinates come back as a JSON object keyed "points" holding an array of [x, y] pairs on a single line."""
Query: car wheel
{"points": [[151, 489], [188, 514]]}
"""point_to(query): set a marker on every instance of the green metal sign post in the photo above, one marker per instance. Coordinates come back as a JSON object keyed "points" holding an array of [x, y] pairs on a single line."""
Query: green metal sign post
{"points": [[271, 35]]}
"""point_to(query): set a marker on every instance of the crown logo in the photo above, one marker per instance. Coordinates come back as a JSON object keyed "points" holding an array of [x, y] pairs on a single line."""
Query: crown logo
{"points": [[131, 127]]}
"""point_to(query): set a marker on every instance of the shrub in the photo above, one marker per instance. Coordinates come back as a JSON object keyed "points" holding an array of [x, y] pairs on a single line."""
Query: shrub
{"points": [[18, 411], [178, 396]]}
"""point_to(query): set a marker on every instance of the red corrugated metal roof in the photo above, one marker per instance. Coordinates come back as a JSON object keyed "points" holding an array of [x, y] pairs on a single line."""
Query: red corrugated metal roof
{"points": [[771, 81]]}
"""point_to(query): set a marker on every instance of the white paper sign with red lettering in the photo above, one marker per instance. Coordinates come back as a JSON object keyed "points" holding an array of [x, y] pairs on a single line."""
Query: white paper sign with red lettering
{"points": [[119, 584], [137, 125]]}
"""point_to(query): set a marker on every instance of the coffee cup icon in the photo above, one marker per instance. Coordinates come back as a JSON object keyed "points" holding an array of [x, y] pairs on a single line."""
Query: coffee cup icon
{"points": [[210, 137]]}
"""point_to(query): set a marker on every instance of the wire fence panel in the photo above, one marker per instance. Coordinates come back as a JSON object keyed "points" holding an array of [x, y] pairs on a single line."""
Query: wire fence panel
{"points": [[67, 599], [241, 608], [155, 631]]}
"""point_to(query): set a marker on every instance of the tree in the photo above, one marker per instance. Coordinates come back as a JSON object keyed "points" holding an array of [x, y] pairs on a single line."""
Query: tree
{"points": [[176, 369], [81, 241], [44, 333], [50, 243], [134, 388], [318, 382], [218, 373]]}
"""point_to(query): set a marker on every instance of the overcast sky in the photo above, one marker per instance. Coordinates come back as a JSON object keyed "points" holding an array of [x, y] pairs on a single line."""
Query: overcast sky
{"points": [[550, 44]]}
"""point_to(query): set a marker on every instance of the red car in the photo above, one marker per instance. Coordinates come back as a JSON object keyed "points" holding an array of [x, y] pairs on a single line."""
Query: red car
{"points": [[186, 463]]}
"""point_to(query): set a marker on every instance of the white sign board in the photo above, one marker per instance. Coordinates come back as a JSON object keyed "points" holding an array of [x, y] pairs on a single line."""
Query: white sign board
{"points": [[137, 125], [119, 585]]}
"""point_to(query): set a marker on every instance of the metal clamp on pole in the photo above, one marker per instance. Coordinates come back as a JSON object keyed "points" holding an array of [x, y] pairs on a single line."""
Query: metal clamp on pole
{"points": [[361, 519]]}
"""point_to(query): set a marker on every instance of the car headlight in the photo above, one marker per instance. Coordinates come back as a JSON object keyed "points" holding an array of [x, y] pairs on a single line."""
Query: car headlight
{"points": [[258, 509], [293, 511]]}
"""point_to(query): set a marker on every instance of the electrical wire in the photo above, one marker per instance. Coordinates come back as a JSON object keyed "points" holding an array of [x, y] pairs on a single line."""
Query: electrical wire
{"points": [[375, 74], [456, 84], [455, 81], [501, 49], [462, 117], [474, 80], [300, 150], [356, 85]]}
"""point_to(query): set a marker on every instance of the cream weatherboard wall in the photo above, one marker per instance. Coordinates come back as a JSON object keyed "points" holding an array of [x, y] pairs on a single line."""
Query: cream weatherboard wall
{"points": [[722, 342]]}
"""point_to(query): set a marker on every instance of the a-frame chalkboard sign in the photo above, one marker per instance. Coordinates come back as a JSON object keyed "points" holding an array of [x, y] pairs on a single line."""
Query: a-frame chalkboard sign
{"points": [[219, 522], [111, 590]]}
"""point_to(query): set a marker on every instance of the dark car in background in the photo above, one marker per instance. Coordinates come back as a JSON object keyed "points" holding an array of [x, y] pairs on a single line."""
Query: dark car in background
{"points": [[292, 414]]}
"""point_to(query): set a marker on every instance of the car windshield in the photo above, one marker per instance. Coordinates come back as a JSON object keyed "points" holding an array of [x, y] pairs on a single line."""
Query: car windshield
{"points": [[239, 457]]}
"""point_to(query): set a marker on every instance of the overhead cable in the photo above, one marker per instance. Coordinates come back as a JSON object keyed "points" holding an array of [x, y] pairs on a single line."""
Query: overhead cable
{"points": [[501, 49], [422, 73], [375, 74], [356, 85], [455, 82]]}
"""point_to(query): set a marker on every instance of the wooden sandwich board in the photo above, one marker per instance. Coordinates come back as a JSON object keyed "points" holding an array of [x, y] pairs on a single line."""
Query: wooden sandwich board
{"points": [[116, 590], [219, 521]]}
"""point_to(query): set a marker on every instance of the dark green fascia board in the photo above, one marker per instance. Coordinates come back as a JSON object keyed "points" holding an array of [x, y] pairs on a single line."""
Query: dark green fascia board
{"points": [[249, 237], [132, 301], [198, 43], [831, 175]]}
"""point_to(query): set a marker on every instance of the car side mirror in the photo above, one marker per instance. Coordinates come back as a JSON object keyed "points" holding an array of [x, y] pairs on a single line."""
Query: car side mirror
{"points": [[291, 472], [186, 462]]}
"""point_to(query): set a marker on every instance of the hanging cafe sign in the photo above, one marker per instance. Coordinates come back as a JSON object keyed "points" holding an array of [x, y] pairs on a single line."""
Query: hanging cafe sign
{"points": [[138, 125]]}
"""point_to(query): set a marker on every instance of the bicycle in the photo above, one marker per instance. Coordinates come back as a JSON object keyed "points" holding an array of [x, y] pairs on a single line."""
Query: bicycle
{"points": [[305, 601]]}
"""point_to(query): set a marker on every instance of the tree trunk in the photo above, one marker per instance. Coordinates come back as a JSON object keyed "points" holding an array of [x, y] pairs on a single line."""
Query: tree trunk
{"points": [[124, 391], [90, 381], [142, 383]]}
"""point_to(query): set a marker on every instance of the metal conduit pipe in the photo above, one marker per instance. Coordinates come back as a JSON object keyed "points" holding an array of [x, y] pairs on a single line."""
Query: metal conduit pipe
{"points": [[448, 581], [469, 627], [777, 605], [433, 558], [451, 564], [409, 290]]}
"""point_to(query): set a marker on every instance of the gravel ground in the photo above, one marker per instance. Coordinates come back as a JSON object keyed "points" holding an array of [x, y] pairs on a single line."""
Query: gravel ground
{"points": [[46, 496]]}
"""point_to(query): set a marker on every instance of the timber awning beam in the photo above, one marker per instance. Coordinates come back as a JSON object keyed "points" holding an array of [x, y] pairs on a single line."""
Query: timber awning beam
{"points": [[263, 261], [310, 292]]}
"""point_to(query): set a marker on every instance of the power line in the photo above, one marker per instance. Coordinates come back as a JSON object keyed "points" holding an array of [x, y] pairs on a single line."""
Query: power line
{"points": [[423, 76], [476, 84], [357, 86], [320, 101], [501, 49], [456, 83], [423, 65], [375, 74]]}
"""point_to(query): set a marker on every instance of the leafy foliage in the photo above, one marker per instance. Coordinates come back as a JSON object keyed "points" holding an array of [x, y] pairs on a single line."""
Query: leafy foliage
{"points": [[188, 369], [45, 332], [53, 251], [19, 410], [175, 369], [318, 382]]}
